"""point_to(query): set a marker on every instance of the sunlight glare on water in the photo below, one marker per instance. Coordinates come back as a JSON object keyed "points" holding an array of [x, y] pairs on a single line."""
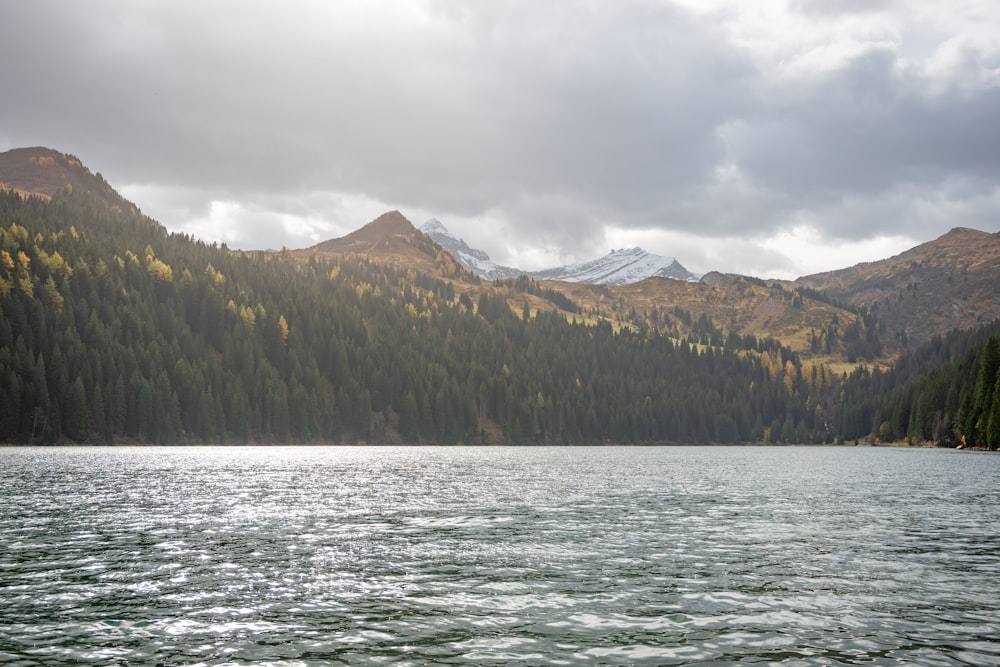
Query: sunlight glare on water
{"points": [[357, 555]]}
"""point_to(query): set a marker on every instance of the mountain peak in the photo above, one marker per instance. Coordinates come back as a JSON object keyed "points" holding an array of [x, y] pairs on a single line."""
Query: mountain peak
{"points": [[473, 259], [44, 172], [628, 252], [434, 226], [391, 221], [380, 231], [619, 267], [964, 233]]}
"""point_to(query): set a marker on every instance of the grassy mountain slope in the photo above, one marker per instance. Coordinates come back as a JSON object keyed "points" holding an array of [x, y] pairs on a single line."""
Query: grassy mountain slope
{"points": [[948, 283], [731, 305]]}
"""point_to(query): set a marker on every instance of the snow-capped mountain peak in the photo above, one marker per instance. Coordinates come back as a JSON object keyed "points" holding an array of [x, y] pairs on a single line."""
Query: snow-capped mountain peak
{"points": [[619, 267], [473, 259], [434, 226]]}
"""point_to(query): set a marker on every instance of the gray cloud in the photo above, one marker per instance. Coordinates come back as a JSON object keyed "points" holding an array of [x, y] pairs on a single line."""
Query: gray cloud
{"points": [[547, 124], [827, 7]]}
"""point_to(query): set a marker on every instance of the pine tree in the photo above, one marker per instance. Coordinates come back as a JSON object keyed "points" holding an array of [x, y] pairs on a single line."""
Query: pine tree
{"points": [[992, 431], [74, 421], [985, 388], [409, 419]]}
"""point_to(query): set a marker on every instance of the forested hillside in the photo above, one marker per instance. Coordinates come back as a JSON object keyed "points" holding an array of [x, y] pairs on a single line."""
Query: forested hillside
{"points": [[946, 392], [115, 330]]}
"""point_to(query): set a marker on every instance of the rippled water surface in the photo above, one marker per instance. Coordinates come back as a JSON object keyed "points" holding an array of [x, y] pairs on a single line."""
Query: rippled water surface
{"points": [[805, 556]]}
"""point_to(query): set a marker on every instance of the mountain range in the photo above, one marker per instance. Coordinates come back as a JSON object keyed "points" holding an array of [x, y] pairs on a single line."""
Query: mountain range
{"points": [[619, 267], [872, 311], [114, 329]]}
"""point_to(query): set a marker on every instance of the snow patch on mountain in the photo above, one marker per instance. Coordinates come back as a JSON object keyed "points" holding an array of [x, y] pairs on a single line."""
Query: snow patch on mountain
{"points": [[473, 259], [619, 267]]}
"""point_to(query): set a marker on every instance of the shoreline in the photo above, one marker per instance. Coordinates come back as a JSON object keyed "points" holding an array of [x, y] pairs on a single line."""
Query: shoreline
{"points": [[892, 445]]}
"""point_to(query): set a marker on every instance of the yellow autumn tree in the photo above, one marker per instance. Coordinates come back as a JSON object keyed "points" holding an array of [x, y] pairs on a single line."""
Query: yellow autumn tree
{"points": [[160, 270], [248, 317], [283, 329]]}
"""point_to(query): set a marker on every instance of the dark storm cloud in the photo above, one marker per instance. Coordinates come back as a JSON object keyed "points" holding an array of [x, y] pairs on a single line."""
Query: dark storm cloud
{"points": [[541, 125]]}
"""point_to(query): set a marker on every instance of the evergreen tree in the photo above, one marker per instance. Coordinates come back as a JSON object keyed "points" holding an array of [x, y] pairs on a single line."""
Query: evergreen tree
{"points": [[985, 388], [992, 431]]}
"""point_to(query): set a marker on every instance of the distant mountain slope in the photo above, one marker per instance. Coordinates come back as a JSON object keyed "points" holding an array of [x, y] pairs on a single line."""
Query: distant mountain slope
{"points": [[473, 259], [392, 238], [683, 309], [619, 267], [383, 232], [888, 306], [948, 283], [713, 309]]}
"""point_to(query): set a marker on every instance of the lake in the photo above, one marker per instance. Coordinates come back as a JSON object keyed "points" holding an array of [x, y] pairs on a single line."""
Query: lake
{"points": [[541, 556]]}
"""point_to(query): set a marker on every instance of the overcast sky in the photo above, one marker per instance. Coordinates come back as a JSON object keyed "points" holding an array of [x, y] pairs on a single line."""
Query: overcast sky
{"points": [[770, 138]]}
